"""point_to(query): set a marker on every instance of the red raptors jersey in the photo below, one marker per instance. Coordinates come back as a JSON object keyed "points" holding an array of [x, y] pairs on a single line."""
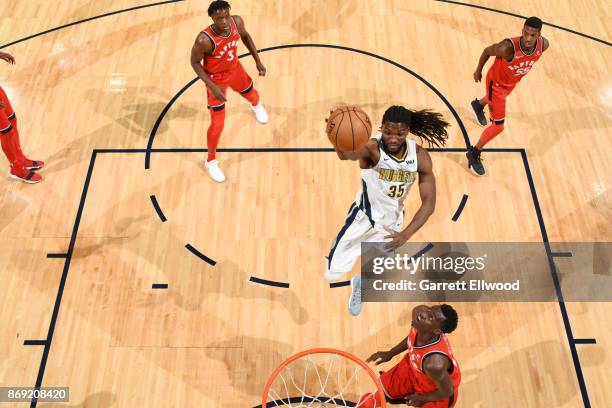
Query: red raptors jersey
{"points": [[511, 72], [224, 54], [416, 355]]}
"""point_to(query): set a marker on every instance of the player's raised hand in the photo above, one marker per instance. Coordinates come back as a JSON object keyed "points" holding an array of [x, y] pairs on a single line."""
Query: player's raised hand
{"points": [[397, 239], [379, 357], [477, 75], [7, 57], [261, 69]]}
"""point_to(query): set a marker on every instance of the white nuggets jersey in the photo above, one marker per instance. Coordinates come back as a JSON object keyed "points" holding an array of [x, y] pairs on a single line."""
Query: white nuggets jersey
{"points": [[385, 186], [379, 203]]}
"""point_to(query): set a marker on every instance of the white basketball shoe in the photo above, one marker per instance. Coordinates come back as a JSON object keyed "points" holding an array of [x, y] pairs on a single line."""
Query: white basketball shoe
{"points": [[260, 113], [354, 305], [214, 171]]}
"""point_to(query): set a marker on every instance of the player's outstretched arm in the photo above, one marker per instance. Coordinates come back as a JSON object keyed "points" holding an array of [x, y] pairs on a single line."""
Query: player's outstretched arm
{"points": [[384, 356], [502, 49], [427, 191], [368, 155], [250, 44], [436, 367], [201, 47]]}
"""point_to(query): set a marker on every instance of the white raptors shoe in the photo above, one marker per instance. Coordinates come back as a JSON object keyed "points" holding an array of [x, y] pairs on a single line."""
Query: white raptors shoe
{"points": [[260, 113], [214, 171], [354, 305]]}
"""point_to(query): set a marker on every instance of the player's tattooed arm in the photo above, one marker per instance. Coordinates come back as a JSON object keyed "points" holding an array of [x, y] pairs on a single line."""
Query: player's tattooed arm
{"points": [[502, 49], [250, 44], [427, 191], [545, 44], [201, 47], [436, 367]]}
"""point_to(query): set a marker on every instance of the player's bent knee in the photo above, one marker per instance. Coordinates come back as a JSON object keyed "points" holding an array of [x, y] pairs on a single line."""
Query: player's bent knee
{"points": [[499, 124], [247, 89]]}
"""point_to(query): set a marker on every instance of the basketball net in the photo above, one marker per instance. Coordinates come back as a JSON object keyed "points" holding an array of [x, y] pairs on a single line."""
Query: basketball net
{"points": [[322, 378]]}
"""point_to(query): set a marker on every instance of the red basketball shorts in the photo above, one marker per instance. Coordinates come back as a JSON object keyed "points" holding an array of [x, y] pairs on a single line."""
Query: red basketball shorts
{"points": [[496, 98], [6, 113], [237, 79], [400, 381]]}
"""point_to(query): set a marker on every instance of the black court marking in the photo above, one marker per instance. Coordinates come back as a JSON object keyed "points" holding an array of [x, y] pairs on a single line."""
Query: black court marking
{"points": [[590, 37], [585, 341], [60, 289], [200, 255], [56, 256], [149, 150], [423, 251], [158, 210], [569, 30], [112, 13], [331, 46], [129, 151], [555, 277], [340, 284], [268, 282], [460, 208], [561, 254], [159, 286], [161, 117], [35, 342], [290, 150]]}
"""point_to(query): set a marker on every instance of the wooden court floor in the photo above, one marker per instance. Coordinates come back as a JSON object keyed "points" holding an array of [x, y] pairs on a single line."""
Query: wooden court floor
{"points": [[88, 97]]}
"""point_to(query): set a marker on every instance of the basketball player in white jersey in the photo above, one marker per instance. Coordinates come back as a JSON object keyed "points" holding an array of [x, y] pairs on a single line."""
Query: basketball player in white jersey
{"points": [[390, 164]]}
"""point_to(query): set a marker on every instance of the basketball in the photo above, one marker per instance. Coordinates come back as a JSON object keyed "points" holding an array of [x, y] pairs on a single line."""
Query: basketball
{"points": [[348, 128]]}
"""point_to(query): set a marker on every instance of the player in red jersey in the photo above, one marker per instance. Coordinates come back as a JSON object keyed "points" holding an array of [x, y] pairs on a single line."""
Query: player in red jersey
{"points": [[21, 167], [514, 58], [428, 376], [217, 47]]}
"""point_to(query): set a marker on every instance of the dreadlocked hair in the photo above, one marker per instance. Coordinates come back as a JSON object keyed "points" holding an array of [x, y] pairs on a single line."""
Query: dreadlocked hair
{"points": [[426, 124]]}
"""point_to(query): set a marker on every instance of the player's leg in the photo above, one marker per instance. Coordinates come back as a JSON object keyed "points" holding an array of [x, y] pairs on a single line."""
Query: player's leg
{"points": [[345, 250], [376, 235], [242, 83], [213, 134], [10, 114], [477, 105], [346, 246], [397, 383], [27, 163], [373, 235], [497, 107], [17, 170], [6, 130]]}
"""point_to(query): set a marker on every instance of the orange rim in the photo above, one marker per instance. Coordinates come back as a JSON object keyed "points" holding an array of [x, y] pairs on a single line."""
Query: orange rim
{"points": [[381, 394]]}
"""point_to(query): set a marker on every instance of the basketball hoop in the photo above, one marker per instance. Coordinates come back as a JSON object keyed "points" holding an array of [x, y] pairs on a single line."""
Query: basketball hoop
{"points": [[320, 378]]}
